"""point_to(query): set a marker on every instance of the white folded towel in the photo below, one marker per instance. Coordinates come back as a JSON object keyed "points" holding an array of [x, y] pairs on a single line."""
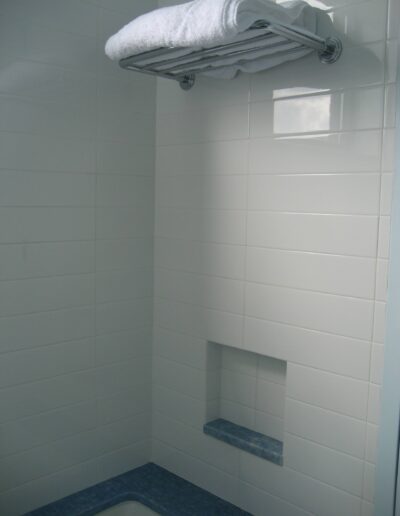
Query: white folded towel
{"points": [[200, 23]]}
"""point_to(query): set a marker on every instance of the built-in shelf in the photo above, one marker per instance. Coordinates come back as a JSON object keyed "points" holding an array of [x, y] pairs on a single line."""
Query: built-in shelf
{"points": [[246, 439]]}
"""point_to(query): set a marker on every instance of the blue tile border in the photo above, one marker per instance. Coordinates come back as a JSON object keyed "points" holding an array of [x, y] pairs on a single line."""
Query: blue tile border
{"points": [[246, 439], [151, 485]]}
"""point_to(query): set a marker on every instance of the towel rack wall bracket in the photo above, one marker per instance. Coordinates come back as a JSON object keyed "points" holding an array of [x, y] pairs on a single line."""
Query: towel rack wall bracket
{"points": [[187, 81], [332, 52]]}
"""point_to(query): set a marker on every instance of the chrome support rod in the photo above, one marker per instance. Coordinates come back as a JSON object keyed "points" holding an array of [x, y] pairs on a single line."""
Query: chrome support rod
{"points": [[215, 58]]}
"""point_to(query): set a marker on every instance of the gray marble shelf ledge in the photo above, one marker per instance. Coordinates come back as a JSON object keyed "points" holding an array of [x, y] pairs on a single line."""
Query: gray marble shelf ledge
{"points": [[153, 486], [246, 439]]}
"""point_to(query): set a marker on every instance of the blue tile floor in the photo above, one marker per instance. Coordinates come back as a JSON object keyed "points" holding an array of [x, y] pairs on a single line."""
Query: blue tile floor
{"points": [[151, 485]]}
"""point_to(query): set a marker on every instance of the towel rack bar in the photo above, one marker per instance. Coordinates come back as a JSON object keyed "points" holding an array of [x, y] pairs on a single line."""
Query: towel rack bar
{"points": [[201, 61], [300, 36], [261, 39], [206, 69], [183, 54]]}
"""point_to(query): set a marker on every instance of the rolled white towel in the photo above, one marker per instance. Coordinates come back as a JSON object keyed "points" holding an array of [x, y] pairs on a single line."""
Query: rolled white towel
{"points": [[200, 23]]}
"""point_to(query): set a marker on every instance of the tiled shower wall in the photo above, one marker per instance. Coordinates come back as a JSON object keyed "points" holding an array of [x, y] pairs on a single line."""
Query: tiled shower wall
{"points": [[272, 221], [76, 227]]}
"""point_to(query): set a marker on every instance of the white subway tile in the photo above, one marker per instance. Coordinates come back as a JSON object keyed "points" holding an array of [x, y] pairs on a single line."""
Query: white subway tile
{"points": [[19, 261], [123, 190], [229, 157], [330, 391], [180, 378], [46, 362], [45, 395], [39, 429], [223, 328], [61, 118], [334, 314], [48, 224], [358, 66], [122, 376], [135, 91], [343, 275], [223, 294], [39, 295], [123, 315], [219, 226], [342, 355], [182, 348], [125, 158], [46, 189], [124, 404], [179, 406], [202, 192], [325, 193], [314, 233], [29, 331], [322, 112], [121, 285], [223, 122], [258, 501], [126, 254], [119, 222], [350, 152], [336, 469], [75, 17], [120, 124], [207, 258], [298, 489], [49, 153], [122, 346], [330, 429]]}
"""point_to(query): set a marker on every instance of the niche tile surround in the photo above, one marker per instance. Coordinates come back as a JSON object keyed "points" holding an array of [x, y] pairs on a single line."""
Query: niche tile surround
{"points": [[245, 401]]}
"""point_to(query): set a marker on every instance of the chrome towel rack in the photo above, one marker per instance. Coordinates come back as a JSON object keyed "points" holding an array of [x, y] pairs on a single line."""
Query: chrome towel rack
{"points": [[182, 64]]}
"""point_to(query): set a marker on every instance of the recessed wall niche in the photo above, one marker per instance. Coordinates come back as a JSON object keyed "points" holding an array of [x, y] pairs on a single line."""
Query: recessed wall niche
{"points": [[246, 400]]}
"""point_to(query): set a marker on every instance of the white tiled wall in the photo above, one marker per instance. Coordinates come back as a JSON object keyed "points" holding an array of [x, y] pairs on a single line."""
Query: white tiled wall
{"points": [[272, 220], [76, 228]]}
